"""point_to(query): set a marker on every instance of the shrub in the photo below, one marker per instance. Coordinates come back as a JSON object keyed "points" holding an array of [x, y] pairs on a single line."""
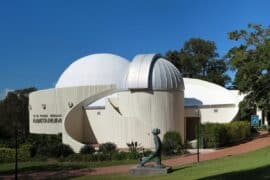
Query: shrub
{"points": [[24, 152], [238, 131], [216, 135], [3, 145], [134, 147], [172, 143], [87, 149], [44, 145], [7, 155], [107, 148], [103, 157], [264, 127], [81, 157], [63, 150], [119, 155], [133, 155]]}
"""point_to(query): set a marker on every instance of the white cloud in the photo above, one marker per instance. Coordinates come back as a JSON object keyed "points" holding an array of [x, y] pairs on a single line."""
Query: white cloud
{"points": [[4, 93]]}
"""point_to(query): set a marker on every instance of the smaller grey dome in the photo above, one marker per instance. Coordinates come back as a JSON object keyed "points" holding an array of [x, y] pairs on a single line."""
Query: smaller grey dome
{"points": [[151, 71], [166, 76]]}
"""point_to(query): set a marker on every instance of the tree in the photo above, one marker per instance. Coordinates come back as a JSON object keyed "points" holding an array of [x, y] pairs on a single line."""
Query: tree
{"points": [[199, 59], [251, 61], [15, 107]]}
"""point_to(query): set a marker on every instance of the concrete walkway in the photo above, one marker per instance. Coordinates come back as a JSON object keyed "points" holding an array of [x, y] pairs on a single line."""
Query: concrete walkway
{"points": [[261, 141]]}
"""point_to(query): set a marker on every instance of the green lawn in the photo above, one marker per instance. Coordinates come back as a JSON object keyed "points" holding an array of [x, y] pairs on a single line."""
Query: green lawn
{"points": [[253, 165]]}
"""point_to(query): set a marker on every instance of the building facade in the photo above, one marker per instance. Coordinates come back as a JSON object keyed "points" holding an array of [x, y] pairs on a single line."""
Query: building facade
{"points": [[106, 98]]}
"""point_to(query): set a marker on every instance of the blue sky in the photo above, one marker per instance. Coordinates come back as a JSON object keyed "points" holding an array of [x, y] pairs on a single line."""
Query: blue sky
{"points": [[39, 39]]}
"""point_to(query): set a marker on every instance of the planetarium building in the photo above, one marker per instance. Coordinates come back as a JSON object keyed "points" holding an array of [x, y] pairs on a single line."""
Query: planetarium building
{"points": [[106, 98]]}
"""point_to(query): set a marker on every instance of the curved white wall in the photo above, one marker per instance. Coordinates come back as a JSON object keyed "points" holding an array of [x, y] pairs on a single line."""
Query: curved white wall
{"points": [[140, 112], [218, 114]]}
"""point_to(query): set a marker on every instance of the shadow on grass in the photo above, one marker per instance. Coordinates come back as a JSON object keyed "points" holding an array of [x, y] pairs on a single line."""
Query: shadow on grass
{"points": [[179, 168], [257, 173]]}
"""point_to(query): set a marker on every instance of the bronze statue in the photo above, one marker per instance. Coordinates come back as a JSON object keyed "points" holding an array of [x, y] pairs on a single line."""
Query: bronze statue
{"points": [[157, 153]]}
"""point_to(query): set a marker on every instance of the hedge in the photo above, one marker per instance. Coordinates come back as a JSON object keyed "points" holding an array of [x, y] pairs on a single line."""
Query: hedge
{"points": [[238, 131], [215, 135], [99, 156], [8, 154], [25, 152]]}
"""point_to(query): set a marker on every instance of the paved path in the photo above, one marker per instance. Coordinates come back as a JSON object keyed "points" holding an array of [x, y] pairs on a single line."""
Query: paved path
{"points": [[262, 141]]}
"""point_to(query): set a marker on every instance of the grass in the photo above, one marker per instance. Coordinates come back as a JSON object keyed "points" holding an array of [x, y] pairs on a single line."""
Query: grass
{"points": [[253, 165], [54, 165]]}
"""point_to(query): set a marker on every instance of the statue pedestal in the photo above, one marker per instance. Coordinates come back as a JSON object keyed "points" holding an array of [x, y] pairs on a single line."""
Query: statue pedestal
{"points": [[148, 170]]}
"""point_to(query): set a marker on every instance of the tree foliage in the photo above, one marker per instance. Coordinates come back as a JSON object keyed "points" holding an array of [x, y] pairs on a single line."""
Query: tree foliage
{"points": [[199, 59], [14, 108], [251, 60]]}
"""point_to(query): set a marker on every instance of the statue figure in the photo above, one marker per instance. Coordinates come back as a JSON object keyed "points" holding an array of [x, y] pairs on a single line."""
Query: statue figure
{"points": [[157, 153]]}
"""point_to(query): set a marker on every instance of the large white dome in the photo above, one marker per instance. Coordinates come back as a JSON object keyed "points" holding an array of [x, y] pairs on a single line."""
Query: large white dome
{"points": [[96, 69]]}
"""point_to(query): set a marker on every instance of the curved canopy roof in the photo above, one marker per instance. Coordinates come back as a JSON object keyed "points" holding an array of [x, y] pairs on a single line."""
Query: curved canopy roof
{"points": [[199, 93]]}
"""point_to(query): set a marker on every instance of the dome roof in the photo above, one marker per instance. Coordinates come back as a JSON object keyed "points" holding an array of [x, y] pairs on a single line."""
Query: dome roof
{"points": [[148, 71], [96, 69], [166, 76], [151, 71]]}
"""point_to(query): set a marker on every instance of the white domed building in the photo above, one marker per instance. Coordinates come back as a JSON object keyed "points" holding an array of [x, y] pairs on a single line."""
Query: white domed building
{"points": [[105, 98]]}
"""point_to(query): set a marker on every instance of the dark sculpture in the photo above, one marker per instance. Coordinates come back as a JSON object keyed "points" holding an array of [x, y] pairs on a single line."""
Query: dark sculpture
{"points": [[157, 153]]}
